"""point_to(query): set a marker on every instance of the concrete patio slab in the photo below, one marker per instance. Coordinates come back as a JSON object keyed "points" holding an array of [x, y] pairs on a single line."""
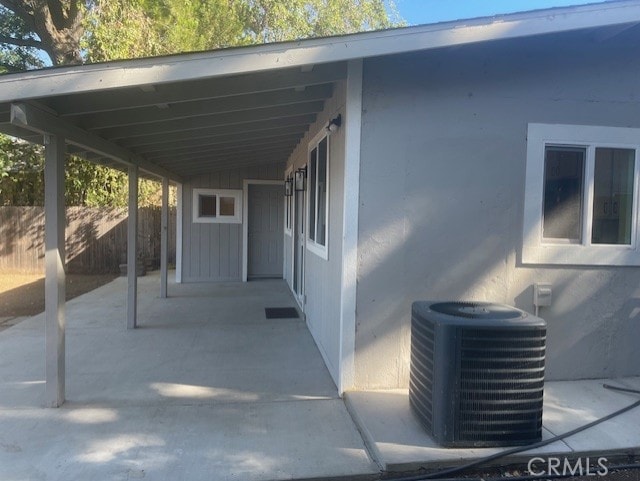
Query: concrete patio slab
{"points": [[398, 442], [236, 441], [206, 388], [569, 405]]}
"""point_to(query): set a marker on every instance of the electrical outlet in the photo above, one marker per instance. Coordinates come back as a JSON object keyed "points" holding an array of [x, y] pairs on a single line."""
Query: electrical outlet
{"points": [[542, 295]]}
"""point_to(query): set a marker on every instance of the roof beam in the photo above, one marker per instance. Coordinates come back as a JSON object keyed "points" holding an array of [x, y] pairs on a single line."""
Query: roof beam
{"points": [[193, 90], [20, 133], [203, 107], [113, 164], [234, 164], [161, 142], [244, 139], [28, 117], [252, 146], [211, 120], [282, 150]]}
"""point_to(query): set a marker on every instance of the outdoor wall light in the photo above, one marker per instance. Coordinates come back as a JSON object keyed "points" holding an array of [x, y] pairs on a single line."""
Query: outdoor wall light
{"points": [[301, 179], [288, 187], [334, 123]]}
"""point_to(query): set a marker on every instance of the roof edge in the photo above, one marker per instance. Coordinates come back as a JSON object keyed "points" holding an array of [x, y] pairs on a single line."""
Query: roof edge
{"points": [[234, 61]]}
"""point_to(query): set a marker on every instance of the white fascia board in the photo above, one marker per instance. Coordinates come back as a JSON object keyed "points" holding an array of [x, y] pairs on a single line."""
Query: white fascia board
{"points": [[233, 61]]}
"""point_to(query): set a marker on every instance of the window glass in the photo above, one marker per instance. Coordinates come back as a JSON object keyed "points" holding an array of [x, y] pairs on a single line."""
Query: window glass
{"points": [[207, 205], [322, 192], [613, 196], [217, 206], [312, 193], [227, 206], [563, 192]]}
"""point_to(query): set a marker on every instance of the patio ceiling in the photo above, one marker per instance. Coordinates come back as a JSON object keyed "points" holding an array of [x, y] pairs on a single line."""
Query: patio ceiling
{"points": [[184, 128]]}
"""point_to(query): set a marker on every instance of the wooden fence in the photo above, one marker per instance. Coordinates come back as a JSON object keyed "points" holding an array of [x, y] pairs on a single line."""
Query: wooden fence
{"points": [[96, 238]]}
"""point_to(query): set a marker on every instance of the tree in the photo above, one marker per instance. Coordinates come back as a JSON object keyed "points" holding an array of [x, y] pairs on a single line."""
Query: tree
{"points": [[54, 26]]}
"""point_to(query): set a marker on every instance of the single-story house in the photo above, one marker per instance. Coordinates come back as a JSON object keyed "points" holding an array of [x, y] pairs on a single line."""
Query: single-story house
{"points": [[467, 160]]}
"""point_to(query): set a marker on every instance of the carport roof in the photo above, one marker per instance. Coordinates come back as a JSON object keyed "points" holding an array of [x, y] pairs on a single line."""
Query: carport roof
{"points": [[181, 115]]}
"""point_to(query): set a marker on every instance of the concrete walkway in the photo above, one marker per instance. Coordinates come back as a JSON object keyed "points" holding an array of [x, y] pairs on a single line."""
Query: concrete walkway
{"points": [[206, 389]]}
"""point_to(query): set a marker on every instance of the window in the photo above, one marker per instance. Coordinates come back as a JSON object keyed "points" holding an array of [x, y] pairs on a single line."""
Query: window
{"points": [[217, 206], [318, 188], [581, 195], [288, 204]]}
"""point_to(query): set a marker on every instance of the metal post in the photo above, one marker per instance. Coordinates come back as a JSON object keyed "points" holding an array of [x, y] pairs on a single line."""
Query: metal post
{"points": [[132, 249], [164, 238], [55, 150]]}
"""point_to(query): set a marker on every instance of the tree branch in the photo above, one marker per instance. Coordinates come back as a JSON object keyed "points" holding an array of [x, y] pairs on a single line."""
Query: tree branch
{"points": [[21, 42], [57, 15], [20, 10]]}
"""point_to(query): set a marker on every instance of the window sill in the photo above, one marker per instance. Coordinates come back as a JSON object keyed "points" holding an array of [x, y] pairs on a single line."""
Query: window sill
{"points": [[320, 251], [580, 255]]}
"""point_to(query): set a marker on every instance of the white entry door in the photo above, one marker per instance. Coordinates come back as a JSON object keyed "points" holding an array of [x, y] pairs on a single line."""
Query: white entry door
{"points": [[264, 232]]}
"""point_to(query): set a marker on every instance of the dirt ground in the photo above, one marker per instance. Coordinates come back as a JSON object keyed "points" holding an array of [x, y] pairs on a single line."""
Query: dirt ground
{"points": [[23, 294]]}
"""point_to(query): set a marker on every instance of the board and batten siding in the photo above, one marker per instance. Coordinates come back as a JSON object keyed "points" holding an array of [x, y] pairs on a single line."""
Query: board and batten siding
{"points": [[442, 189], [323, 278], [213, 252]]}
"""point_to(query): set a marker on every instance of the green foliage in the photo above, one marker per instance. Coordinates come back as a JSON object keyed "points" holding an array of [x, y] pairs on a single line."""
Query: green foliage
{"points": [[22, 179], [119, 29], [21, 172], [276, 21]]}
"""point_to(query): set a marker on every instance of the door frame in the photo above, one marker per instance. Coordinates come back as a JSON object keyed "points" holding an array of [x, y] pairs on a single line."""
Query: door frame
{"points": [[289, 246], [301, 300], [245, 219]]}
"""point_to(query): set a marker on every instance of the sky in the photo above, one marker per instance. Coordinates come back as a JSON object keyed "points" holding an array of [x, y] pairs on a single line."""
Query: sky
{"points": [[417, 12]]}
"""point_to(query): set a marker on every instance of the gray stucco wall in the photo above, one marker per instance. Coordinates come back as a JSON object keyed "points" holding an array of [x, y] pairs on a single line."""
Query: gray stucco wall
{"points": [[442, 188], [213, 252], [323, 278]]}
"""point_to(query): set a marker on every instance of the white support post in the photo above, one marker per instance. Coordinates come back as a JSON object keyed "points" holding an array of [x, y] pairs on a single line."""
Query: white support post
{"points": [[55, 150], [164, 238], [132, 249], [352, 126], [179, 215]]}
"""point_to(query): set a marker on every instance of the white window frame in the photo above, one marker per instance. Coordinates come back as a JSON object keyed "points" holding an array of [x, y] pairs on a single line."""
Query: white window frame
{"points": [[312, 246], [236, 194], [535, 249], [288, 205]]}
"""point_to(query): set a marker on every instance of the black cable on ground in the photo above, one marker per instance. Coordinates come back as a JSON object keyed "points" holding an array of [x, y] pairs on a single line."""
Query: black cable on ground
{"points": [[440, 475], [536, 477]]}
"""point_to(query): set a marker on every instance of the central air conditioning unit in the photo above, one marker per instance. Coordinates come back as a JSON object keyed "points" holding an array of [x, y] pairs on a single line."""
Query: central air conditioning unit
{"points": [[477, 373]]}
